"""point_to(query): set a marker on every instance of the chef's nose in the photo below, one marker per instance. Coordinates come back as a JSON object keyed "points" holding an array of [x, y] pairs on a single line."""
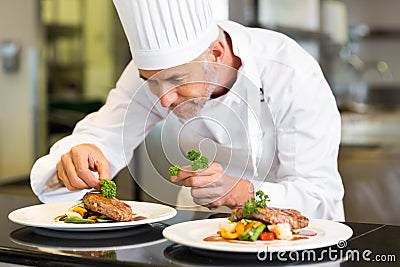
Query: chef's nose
{"points": [[168, 98]]}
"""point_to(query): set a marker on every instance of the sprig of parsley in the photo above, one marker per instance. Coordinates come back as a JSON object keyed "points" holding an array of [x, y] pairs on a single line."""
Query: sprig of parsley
{"points": [[200, 163], [259, 201], [108, 188], [173, 170], [193, 155], [197, 162]]}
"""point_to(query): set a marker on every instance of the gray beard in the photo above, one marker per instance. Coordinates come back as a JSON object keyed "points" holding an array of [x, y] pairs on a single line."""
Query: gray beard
{"points": [[196, 104], [193, 106]]}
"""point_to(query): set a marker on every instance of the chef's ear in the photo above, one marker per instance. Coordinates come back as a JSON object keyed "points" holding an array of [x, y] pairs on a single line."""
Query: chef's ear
{"points": [[217, 51]]}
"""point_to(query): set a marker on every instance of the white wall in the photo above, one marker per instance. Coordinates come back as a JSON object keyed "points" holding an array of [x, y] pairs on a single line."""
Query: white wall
{"points": [[19, 90]]}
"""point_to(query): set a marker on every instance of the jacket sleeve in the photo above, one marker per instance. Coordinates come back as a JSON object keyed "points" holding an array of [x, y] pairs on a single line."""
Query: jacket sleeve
{"points": [[129, 110], [308, 130]]}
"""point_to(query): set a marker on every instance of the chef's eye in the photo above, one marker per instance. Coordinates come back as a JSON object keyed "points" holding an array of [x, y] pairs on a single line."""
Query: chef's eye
{"points": [[151, 82], [176, 80]]}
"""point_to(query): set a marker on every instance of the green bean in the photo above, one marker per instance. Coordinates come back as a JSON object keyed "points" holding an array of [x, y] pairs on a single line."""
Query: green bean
{"points": [[246, 236], [78, 220], [257, 232]]}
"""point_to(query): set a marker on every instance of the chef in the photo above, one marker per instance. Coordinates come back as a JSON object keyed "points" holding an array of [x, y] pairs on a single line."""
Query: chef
{"points": [[251, 100]]}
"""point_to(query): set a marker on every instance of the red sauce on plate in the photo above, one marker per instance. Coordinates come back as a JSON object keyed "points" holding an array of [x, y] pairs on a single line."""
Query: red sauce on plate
{"points": [[139, 218], [215, 238], [298, 238]]}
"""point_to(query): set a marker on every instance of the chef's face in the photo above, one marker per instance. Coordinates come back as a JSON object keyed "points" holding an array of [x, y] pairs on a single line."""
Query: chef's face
{"points": [[183, 89]]}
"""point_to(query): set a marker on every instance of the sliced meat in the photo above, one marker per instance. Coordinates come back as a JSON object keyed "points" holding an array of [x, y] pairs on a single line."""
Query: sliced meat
{"points": [[274, 216], [110, 207]]}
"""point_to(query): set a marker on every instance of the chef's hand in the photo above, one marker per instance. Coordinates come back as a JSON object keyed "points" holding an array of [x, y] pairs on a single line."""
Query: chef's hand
{"points": [[75, 167], [212, 188]]}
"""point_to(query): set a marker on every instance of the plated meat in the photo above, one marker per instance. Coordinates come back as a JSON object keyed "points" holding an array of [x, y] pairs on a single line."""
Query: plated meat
{"points": [[110, 207], [274, 216]]}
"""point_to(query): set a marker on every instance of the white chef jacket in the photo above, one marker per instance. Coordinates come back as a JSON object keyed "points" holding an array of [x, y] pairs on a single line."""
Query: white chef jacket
{"points": [[303, 174]]}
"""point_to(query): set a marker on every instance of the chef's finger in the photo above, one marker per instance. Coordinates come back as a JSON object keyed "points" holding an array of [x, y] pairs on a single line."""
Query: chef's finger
{"points": [[82, 171], [206, 197], [186, 172], [74, 173], [198, 181], [62, 176], [182, 174], [102, 168]]}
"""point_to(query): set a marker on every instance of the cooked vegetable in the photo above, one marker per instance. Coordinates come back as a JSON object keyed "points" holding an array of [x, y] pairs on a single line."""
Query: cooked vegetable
{"points": [[229, 232], [257, 232], [267, 236], [79, 214], [108, 188], [242, 230], [73, 214], [82, 211], [248, 231], [228, 235], [227, 226], [246, 236], [281, 230], [259, 201], [78, 220]]}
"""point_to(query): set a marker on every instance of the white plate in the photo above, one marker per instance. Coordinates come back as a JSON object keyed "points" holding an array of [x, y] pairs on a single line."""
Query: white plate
{"points": [[192, 234], [43, 215]]}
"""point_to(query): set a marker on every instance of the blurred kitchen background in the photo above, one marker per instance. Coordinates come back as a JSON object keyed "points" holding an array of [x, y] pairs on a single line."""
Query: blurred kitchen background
{"points": [[60, 58]]}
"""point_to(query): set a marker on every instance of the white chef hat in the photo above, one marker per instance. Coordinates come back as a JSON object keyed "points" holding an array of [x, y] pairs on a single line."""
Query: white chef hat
{"points": [[166, 33]]}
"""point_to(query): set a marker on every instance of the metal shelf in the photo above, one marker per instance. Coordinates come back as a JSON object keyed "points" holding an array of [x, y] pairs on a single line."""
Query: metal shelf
{"points": [[54, 31], [383, 33]]}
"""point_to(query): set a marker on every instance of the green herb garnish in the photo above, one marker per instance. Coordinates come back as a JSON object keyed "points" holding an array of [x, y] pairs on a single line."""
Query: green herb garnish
{"points": [[193, 155], [200, 163], [231, 219], [197, 162], [173, 170], [108, 188], [259, 201]]}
